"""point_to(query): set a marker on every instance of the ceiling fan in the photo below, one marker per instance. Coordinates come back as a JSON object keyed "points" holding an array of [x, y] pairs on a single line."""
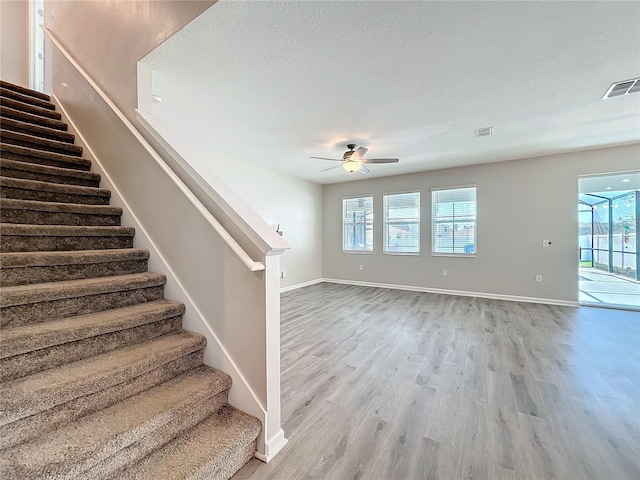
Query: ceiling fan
{"points": [[352, 160]]}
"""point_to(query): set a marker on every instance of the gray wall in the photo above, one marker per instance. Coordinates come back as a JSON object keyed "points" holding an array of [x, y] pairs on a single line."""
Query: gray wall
{"points": [[14, 42], [520, 203]]}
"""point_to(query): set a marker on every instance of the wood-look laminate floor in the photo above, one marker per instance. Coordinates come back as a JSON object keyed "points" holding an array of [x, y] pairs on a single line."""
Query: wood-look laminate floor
{"points": [[388, 384]]}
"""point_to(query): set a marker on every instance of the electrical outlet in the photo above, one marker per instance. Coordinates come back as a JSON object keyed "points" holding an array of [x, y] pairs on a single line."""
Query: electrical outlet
{"points": [[539, 278], [444, 272], [361, 267]]}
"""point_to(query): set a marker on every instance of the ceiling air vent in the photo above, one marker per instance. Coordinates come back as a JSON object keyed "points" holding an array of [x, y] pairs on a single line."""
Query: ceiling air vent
{"points": [[623, 88], [484, 131]]}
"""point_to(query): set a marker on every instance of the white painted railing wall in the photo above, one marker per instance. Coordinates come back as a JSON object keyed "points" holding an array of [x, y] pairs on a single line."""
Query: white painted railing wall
{"points": [[220, 259]]}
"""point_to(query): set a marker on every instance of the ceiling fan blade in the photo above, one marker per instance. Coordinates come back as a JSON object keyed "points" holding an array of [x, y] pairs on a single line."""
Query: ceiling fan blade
{"points": [[358, 154], [332, 159], [363, 169], [330, 168], [381, 160]]}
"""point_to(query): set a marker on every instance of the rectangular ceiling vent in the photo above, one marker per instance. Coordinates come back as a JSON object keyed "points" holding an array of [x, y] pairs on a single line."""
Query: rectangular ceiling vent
{"points": [[484, 131], [623, 88]]}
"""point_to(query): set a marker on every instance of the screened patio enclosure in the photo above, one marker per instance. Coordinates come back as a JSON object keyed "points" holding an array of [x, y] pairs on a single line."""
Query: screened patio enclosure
{"points": [[608, 226]]}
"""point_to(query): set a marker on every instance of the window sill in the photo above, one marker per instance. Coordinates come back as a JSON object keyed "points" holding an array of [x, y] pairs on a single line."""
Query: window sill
{"points": [[460, 255], [410, 254], [358, 252]]}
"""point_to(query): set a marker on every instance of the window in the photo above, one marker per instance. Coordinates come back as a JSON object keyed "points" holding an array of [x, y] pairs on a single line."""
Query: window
{"points": [[402, 223], [454, 221], [357, 224]]}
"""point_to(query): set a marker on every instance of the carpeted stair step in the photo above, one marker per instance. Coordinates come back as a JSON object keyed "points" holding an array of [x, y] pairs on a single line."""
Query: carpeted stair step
{"points": [[59, 238], [43, 157], [34, 212], [24, 90], [32, 348], [30, 108], [34, 426], [100, 444], [32, 141], [40, 302], [21, 189], [23, 268], [7, 112], [214, 449], [41, 391], [36, 130], [26, 399], [56, 238], [21, 97], [45, 173]]}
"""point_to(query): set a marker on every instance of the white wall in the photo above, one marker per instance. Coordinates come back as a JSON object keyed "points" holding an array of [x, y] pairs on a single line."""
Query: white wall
{"points": [[108, 37], [14, 42], [520, 203], [294, 204]]}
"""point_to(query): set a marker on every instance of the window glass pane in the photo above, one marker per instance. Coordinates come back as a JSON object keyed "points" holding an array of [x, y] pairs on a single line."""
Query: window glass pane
{"points": [[454, 221], [402, 222], [357, 224]]}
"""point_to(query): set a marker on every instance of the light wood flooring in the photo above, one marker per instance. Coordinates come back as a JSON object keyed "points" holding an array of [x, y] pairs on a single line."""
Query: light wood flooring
{"points": [[388, 384]]}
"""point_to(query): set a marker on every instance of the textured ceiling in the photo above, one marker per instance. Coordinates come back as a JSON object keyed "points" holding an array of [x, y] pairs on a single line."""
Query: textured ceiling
{"points": [[277, 82]]}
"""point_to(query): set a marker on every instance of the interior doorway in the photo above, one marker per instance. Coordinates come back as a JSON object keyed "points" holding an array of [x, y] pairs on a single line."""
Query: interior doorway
{"points": [[608, 218], [36, 45]]}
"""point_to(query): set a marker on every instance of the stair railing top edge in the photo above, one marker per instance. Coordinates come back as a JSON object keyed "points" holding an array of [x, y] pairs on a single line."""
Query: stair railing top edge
{"points": [[250, 223], [251, 264]]}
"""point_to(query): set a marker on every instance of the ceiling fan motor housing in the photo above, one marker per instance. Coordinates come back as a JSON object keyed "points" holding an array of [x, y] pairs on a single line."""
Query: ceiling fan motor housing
{"points": [[348, 153]]}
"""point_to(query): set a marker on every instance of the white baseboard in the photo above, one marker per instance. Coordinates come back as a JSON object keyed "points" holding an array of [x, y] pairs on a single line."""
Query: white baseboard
{"points": [[461, 293], [300, 285]]}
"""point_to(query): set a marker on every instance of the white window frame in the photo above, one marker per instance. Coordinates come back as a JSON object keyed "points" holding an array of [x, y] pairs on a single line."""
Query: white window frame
{"points": [[344, 225], [385, 220], [434, 224]]}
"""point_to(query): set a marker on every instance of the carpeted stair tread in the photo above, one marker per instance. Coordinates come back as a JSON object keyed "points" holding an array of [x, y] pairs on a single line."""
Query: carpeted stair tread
{"points": [[7, 112], [28, 338], [46, 292], [35, 212], [21, 268], [20, 237], [44, 259], [114, 434], [64, 230], [214, 449], [53, 192], [72, 161], [24, 90], [29, 108], [47, 173], [16, 125], [21, 97], [39, 206], [35, 393], [32, 141]]}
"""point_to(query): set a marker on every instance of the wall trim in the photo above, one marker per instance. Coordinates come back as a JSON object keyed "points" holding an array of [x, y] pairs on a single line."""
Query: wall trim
{"points": [[461, 293], [272, 447], [300, 285]]}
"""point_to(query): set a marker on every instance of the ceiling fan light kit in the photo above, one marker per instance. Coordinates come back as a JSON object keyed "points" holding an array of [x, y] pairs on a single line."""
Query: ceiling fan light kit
{"points": [[352, 160]]}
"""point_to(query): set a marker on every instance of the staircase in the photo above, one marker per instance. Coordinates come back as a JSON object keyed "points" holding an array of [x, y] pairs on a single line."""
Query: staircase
{"points": [[97, 377]]}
